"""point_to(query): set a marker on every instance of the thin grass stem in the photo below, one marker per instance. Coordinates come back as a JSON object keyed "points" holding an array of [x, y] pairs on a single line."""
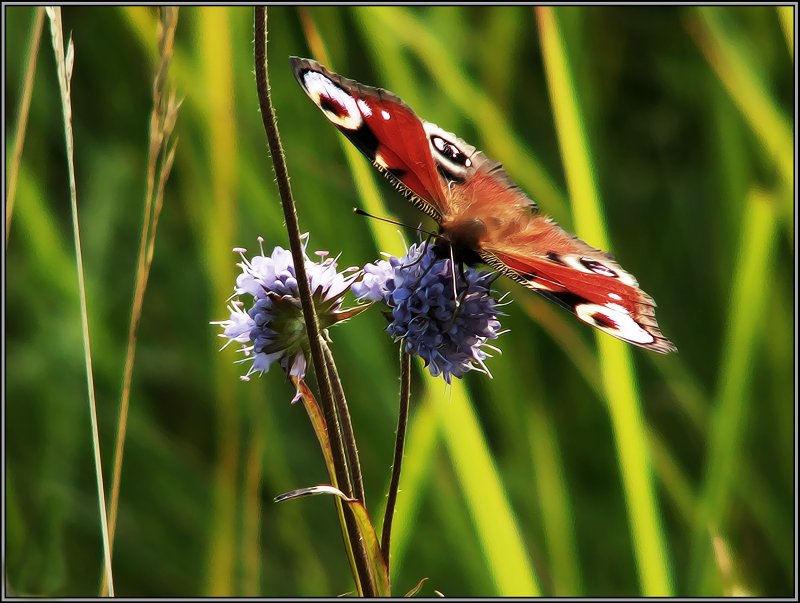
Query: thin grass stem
{"points": [[729, 420], [64, 63], [161, 153]]}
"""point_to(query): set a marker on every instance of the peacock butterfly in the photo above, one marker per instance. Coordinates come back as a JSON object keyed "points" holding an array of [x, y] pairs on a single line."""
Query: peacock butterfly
{"points": [[481, 213]]}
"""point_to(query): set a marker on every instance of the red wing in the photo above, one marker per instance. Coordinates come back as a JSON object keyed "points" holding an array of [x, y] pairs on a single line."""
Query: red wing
{"points": [[586, 281], [383, 128], [480, 209]]}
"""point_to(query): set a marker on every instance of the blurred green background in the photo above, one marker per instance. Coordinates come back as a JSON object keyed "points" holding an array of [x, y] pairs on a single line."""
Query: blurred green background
{"points": [[582, 468]]}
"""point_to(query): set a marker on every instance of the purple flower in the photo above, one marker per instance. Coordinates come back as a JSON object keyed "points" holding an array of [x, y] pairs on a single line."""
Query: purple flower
{"points": [[271, 328], [418, 288]]}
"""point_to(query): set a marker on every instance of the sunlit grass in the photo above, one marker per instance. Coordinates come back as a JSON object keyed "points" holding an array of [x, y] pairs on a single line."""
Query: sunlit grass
{"points": [[22, 120], [557, 509], [735, 68], [786, 15], [481, 484], [619, 382], [746, 310], [216, 225]]}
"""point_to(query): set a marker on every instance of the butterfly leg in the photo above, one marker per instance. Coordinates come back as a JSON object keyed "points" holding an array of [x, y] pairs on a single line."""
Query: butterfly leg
{"points": [[456, 297]]}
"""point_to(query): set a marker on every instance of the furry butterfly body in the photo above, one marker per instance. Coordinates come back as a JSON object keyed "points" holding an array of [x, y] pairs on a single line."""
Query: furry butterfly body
{"points": [[481, 213]]}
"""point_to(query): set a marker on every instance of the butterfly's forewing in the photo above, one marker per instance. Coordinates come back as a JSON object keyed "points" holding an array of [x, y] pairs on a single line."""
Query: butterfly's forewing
{"points": [[382, 127]]}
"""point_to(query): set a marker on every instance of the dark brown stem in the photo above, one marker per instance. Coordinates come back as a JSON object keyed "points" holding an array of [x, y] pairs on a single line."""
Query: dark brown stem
{"points": [[304, 290], [399, 444], [293, 229]]}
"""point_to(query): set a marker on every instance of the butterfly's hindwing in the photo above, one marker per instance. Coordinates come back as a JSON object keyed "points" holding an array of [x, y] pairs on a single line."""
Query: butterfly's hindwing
{"points": [[601, 295]]}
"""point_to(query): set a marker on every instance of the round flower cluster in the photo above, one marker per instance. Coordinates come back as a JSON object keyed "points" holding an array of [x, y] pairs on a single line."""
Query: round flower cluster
{"points": [[448, 329], [272, 328]]}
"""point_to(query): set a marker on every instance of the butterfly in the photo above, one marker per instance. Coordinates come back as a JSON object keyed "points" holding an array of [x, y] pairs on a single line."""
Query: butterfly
{"points": [[481, 213]]}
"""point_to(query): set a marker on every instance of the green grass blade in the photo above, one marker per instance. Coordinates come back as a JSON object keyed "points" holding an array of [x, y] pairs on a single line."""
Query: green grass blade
{"points": [[403, 27], [215, 223], [495, 522], [742, 79], [557, 512], [746, 311], [618, 376], [786, 16], [22, 117]]}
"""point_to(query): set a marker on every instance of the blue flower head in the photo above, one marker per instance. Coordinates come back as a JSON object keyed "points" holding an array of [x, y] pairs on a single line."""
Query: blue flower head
{"points": [[418, 288], [270, 328]]}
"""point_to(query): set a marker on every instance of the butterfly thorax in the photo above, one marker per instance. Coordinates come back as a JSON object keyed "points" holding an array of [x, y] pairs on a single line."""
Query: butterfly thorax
{"points": [[464, 237], [460, 241]]}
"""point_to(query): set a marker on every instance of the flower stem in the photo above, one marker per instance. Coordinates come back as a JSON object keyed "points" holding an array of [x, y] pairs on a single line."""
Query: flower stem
{"points": [[312, 324], [399, 443], [347, 426]]}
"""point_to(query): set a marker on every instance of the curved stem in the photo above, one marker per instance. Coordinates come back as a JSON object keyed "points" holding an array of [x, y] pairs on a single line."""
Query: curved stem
{"points": [[350, 528], [399, 443], [293, 230]]}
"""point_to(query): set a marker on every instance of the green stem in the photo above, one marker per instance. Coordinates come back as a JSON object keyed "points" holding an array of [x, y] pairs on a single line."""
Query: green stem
{"points": [[399, 443]]}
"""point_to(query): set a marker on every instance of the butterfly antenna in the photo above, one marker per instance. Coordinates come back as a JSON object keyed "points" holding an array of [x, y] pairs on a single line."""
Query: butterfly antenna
{"points": [[361, 212]]}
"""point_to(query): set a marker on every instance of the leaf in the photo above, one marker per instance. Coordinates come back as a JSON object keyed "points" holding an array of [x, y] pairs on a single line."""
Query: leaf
{"points": [[377, 567], [313, 491], [343, 315], [70, 60], [416, 589], [318, 423]]}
